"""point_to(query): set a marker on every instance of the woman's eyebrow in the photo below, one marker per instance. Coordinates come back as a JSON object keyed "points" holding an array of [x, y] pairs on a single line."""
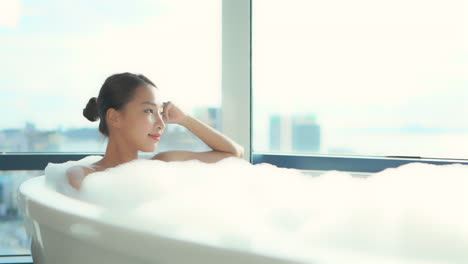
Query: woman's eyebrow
{"points": [[150, 103]]}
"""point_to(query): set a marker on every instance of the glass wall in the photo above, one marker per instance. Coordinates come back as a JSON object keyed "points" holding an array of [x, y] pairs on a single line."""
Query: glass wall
{"points": [[13, 239], [385, 78], [55, 55]]}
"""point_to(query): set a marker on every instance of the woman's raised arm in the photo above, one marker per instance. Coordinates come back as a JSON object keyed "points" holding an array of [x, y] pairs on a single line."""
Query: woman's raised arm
{"points": [[222, 145]]}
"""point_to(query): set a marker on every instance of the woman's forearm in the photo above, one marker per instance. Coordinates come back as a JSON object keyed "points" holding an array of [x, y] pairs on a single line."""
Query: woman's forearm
{"points": [[213, 138]]}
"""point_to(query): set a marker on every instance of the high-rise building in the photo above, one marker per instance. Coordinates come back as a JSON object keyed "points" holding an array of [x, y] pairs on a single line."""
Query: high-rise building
{"points": [[275, 135], [210, 116], [305, 134], [295, 133]]}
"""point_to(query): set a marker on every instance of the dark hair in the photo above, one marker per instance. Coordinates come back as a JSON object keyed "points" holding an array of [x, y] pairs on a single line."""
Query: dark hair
{"points": [[116, 92]]}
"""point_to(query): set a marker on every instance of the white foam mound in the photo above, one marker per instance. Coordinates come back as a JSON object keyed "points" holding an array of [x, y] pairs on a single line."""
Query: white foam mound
{"points": [[417, 212], [55, 176]]}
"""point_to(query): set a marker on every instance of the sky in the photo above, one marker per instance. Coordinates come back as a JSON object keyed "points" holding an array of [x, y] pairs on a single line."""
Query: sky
{"points": [[56, 54], [365, 64], [396, 62]]}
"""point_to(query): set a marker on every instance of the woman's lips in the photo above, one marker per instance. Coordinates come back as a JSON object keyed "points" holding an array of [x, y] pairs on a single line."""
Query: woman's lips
{"points": [[154, 136]]}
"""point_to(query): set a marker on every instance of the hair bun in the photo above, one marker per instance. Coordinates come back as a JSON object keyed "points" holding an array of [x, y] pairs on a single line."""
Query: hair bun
{"points": [[91, 110]]}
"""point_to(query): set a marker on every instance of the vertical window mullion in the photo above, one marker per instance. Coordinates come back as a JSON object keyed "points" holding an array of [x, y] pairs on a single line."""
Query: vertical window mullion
{"points": [[236, 72]]}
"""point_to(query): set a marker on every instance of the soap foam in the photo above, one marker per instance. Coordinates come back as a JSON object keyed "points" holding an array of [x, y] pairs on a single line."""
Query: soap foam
{"points": [[417, 211], [56, 179]]}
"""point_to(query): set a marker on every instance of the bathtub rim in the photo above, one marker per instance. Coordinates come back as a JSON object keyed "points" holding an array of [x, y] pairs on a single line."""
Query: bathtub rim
{"points": [[32, 199]]}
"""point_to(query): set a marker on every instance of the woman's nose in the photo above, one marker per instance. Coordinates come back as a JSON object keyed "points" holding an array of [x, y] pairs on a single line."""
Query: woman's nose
{"points": [[160, 123]]}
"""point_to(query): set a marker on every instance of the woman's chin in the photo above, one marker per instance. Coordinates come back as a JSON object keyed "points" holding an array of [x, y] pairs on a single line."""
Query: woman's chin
{"points": [[150, 148]]}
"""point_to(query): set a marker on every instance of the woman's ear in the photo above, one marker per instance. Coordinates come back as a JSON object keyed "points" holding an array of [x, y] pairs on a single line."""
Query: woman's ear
{"points": [[113, 117]]}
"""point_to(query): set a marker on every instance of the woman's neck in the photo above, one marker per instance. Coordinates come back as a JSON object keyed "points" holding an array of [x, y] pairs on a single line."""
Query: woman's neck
{"points": [[116, 154]]}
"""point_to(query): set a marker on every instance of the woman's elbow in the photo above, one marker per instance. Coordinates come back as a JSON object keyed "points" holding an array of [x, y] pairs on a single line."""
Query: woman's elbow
{"points": [[239, 152]]}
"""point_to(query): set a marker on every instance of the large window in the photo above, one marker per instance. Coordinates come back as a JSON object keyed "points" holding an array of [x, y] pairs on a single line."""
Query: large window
{"points": [[378, 78], [333, 77], [55, 55]]}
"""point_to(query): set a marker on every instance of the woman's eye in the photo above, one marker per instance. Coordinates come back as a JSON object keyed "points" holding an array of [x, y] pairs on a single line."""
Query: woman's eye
{"points": [[149, 111]]}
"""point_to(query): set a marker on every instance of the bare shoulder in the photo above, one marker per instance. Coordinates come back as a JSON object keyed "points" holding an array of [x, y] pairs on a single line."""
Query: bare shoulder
{"points": [[175, 155], [76, 174]]}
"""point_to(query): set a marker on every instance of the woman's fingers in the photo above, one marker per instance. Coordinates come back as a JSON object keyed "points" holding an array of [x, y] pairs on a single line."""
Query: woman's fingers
{"points": [[167, 106]]}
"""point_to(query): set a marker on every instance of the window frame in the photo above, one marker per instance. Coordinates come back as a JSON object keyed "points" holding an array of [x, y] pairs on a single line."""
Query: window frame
{"points": [[363, 164]]}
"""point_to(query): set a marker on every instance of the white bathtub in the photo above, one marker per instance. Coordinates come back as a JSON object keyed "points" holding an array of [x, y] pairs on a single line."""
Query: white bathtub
{"points": [[66, 230]]}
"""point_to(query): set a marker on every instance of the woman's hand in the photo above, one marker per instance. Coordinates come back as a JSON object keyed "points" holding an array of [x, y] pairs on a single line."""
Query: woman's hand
{"points": [[172, 114]]}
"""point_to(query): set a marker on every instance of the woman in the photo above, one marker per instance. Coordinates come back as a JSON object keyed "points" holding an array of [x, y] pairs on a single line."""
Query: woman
{"points": [[133, 117]]}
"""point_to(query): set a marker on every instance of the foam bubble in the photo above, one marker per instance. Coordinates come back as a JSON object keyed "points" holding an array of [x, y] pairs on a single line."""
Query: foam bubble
{"points": [[55, 177], [416, 212]]}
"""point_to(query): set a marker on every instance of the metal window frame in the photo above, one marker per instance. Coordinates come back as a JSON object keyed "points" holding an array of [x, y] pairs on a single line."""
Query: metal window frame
{"points": [[237, 72], [36, 161], [364, 164]]}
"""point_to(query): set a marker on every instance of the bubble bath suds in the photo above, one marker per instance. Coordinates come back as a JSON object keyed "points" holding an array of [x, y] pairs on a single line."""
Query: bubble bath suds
{"points": [[416, 212]]}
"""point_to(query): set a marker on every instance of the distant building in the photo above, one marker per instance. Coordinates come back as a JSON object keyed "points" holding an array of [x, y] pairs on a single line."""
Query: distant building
{"points": [[275, 133], [210, 116], [296, 133], [13, 140], [2, 199], [6, 200], [10, 182], [305, 134]]}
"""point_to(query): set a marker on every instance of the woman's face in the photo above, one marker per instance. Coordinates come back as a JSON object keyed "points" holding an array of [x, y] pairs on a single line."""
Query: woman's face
{"points": [[141, 120]]}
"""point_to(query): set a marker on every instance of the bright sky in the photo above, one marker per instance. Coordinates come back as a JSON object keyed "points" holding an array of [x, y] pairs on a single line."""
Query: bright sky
{"points": [[354, 64], [53, 60], [363, 63], [10, 13]]}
